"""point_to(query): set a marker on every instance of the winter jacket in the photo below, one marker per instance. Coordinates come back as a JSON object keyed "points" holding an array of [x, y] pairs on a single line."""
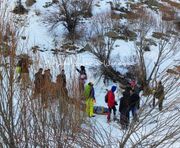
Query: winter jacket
{"points": [[38, 82], [92, 93], [25, 66], [111, 99], [87, 91], [159, 93], [124, 102], [83, 75], [134, 99], [61, 80]]}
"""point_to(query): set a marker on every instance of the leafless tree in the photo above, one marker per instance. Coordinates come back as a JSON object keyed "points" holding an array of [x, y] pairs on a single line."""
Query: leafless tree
{"points": [[101, 39], [165, 41], [69, 13]]}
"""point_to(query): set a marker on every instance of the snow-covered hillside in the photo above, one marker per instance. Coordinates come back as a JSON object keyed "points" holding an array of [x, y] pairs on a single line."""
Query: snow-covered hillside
{"points": [[155, 128]]}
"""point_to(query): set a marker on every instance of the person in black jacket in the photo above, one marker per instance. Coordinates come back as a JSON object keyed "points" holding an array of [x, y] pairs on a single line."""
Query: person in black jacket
{"points": [[124, 108], [82, 78], [133, 104]]}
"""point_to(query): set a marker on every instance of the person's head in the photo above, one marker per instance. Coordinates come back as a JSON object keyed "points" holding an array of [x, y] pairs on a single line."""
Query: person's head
{"points": [[82, 67], [62, 71], [40, 70], [48, 71], [113, 88], [90, 84]]}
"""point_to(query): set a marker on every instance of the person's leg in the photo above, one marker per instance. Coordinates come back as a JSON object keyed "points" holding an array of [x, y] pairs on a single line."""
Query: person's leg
{"points": [[91, 104], [124, 120], [87, 107], [134, 113], [127, 119], [160, 104], [138, 104], [109, 115], [154, 101], [114, 112], [133, 110]]}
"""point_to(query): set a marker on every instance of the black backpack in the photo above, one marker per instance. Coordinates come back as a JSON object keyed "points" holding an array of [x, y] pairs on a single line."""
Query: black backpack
{"points": [[106, 97]]}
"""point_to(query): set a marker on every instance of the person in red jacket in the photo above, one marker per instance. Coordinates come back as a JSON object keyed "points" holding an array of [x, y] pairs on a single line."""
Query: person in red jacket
{"points": [[111, 103]]}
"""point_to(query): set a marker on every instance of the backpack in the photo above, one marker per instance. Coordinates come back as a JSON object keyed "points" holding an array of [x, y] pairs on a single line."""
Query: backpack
{"points": [[106, 97]]}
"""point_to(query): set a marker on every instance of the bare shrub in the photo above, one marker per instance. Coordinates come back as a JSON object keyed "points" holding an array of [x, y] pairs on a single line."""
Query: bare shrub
{"points": [[101, 39], [69, 13]]}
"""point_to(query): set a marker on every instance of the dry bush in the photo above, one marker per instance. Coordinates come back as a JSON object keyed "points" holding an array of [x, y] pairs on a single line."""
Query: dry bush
{"points": [[172, 3], [68, 13], [168, 14], [165, 40]]}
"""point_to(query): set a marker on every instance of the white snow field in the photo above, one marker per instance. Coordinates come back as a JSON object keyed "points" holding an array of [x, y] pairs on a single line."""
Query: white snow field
{"points": [[151, 119]]}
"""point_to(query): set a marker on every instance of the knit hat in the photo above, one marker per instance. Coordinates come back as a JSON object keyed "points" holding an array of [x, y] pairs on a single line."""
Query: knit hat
{"points": [[113, 89]]}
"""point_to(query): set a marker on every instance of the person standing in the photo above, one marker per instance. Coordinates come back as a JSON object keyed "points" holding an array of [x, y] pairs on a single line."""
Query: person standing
{"points": [[61, 84], [159, 94], [89, 94], [38, 82], [47, 86], [133, 104], [111, 103], [25, 72], [82, 78], [124, 108]]}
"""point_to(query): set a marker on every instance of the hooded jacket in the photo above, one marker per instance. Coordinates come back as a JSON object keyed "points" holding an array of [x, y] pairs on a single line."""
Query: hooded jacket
{"points": [[111, 97]]}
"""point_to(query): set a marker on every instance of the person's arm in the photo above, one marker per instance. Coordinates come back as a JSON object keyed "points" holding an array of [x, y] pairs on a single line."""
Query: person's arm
{"points": [[92, 94], [78, 70]]}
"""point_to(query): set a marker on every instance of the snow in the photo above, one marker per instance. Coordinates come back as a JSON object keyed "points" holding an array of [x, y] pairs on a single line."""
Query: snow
{"points": [[37, 34]]}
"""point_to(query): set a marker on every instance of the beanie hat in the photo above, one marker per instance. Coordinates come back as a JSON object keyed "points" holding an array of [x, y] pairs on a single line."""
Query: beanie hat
{"points": [[113, 89]]}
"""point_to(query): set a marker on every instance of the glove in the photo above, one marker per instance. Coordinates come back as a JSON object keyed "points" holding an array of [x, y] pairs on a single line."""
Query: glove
{"points": [[115, 103]]}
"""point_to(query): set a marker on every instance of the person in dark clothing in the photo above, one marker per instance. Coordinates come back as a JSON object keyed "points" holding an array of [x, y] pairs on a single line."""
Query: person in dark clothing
{"points": [[111, 103], [38, 81], [61, 78], [25, 79], [82, 78], [133, 104], [61, 84], [47, 85], [136, 89], [159, 94], [124, 108]]}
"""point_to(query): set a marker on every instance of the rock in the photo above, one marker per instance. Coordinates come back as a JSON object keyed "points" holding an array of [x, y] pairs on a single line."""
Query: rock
{"points": [[29, 3], [19, 9], [86, 48], [112, 34]]}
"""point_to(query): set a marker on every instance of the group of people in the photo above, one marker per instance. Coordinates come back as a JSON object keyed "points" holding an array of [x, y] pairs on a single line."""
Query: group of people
{"points": [[129, 102], [47, 89]]}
